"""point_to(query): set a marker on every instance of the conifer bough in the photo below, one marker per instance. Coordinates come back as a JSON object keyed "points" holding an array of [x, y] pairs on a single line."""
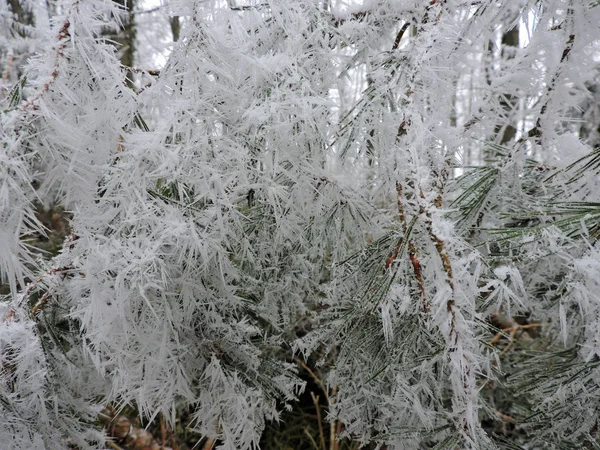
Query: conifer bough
{"points": [[374, 222]]}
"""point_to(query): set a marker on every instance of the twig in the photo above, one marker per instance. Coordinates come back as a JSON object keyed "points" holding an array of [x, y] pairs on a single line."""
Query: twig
{"points": [[312, 440], [503, 332], [332, 434], [249, 7], [399, 35], [63, 38], [315, 399], [335, 427], [440, 247], [412, 251], [505, 417], [152, 72], [209, 444], [338, 430], [536, 131], [40, 304], [163, 431], [510, 341], [314, 377], [513, 331]]}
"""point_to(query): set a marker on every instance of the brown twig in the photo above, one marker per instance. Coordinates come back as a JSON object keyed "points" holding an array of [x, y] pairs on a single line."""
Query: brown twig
{"points": [[315, 399], [163, 431], [151, 72], [338, 430], [312, 440], [335, 427], [63, 38], [412, 251], [210, 443], [513, 331], [314, 377], [40, 304], [505, 417], [440, 245], [503, 332], [511, 339]]}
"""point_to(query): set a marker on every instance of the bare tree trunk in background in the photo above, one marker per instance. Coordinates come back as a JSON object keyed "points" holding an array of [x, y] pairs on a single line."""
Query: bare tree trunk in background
{"points": [[175, 27], [589, 130], [23, 16], [126, 39], [13, 60], [506, 132]]}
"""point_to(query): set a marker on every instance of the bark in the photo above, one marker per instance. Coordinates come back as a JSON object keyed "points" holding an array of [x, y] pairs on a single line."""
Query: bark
{"points": [[125, 39]]}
